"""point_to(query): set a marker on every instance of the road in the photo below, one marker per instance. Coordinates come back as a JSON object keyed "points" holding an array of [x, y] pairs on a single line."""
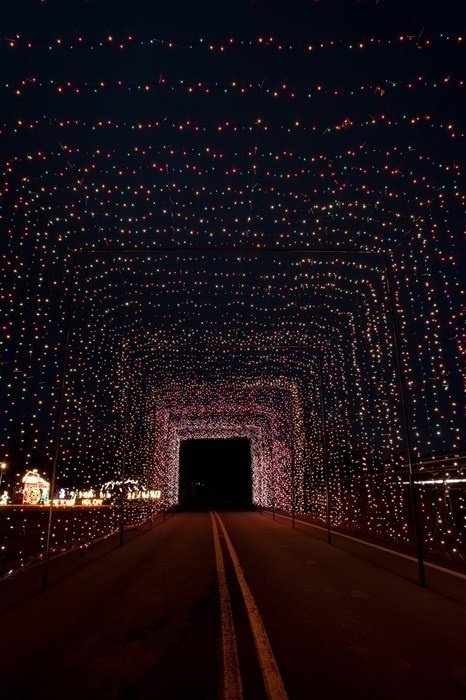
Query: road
{"points": [[229, 605]]}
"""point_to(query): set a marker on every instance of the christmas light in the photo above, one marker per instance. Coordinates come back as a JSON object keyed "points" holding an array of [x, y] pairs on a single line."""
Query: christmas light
{"points": [[238, 145]]}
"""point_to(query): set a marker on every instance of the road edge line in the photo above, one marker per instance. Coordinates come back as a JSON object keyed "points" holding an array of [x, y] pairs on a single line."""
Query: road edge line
{"points": [[337, 533]]}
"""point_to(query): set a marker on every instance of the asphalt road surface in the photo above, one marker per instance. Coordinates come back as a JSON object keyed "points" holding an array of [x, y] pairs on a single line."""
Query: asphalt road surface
{"points": [[229, 605]]}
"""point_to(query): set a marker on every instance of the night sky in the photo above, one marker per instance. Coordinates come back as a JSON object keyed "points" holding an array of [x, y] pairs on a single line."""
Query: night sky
{"points": [[244, 125]]}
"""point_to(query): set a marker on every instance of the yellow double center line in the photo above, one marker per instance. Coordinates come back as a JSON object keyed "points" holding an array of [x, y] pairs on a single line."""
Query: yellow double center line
{"points": [[232, 678]]}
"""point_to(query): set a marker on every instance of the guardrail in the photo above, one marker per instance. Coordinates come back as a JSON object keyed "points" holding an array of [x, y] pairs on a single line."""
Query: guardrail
{"points": [[27, 536], [375, 510]]}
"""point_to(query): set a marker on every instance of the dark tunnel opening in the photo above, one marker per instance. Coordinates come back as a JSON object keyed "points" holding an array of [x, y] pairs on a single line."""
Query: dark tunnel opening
{"points": [[215, 473]]}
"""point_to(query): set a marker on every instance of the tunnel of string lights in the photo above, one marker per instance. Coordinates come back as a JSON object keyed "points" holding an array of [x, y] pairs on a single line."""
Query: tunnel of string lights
{"points": [[232, 194]]}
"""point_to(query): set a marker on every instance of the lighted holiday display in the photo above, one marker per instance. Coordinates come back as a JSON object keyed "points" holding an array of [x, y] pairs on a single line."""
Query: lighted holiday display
{"points": [[35, 489], [323, 140]]}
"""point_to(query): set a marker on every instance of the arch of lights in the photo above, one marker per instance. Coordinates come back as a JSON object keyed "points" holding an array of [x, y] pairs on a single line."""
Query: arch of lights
{"points": [[215, 156], [215, 355], [265, 410]]}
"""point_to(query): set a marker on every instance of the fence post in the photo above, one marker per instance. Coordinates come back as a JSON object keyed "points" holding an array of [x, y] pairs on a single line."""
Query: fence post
{"points": [[125, 437], [61, 403], [325, 453], [412, 483]]}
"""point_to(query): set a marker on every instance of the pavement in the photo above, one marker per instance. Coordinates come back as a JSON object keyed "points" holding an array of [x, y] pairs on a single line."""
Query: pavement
{"points": [[143, 620]]}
